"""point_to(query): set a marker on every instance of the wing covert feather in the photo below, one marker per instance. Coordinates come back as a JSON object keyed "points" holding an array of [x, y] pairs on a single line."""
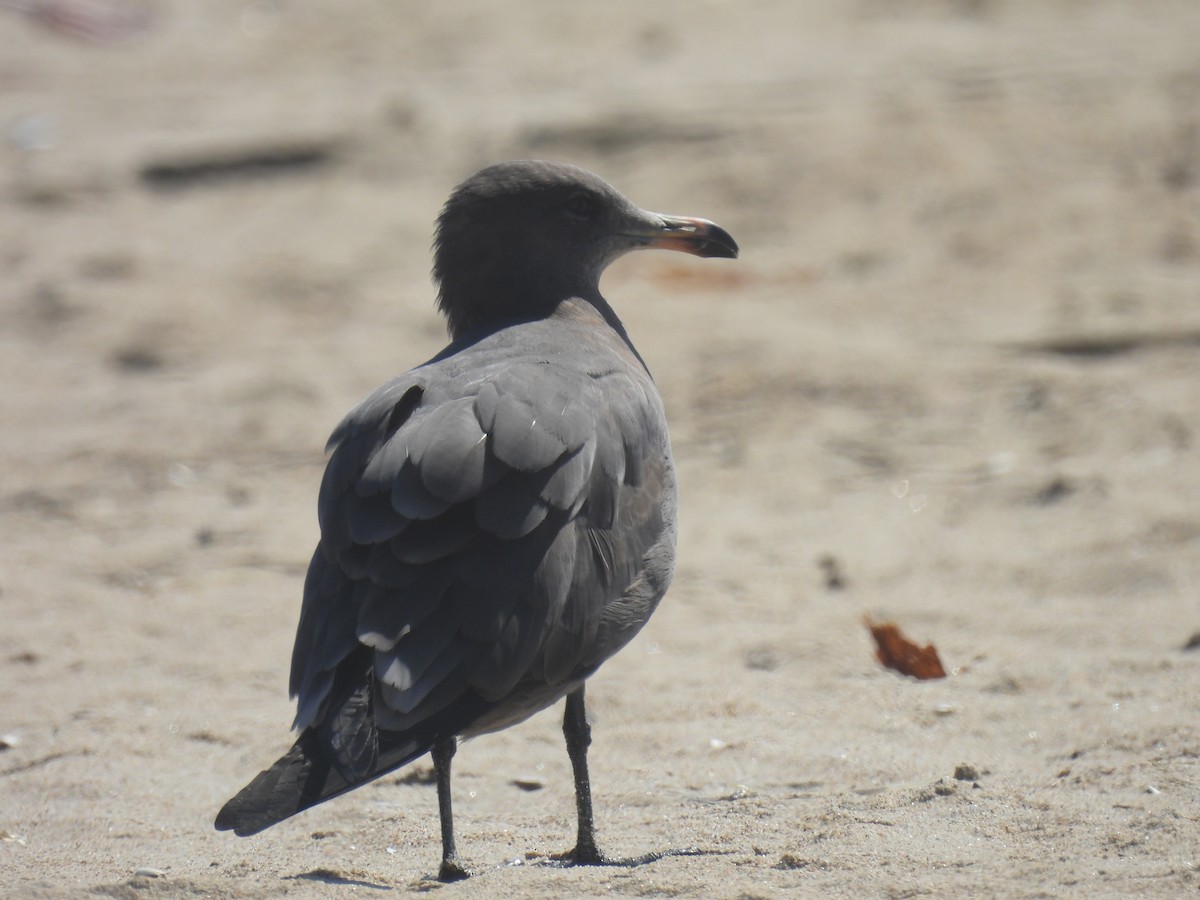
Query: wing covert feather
{"points": [[475, 530]]}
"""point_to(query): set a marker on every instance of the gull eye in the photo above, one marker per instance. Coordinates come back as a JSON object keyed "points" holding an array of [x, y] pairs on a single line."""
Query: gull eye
{"points": [[582, 206]]}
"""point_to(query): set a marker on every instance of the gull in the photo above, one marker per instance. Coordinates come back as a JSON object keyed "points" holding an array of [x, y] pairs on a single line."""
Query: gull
{"points": [[495, 523]]}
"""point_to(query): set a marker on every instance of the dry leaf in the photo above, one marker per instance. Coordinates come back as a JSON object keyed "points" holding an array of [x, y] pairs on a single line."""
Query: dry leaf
{"points": [[897, 652]]}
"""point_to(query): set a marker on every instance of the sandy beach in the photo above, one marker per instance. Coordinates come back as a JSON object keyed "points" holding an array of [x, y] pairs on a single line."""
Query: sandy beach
{"points": [[953, 382]]}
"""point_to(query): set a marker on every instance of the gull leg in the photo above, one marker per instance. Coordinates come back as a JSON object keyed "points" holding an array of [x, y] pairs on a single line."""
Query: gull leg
{"points": [[578, 735], [452, 868]]}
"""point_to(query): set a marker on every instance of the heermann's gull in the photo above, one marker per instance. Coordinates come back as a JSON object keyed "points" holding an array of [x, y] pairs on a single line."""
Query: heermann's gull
{"points": [[496, 523]]}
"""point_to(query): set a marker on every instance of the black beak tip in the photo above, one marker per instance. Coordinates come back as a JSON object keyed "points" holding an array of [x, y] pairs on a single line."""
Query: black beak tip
{"points": [[714, 250], [718, 244]]}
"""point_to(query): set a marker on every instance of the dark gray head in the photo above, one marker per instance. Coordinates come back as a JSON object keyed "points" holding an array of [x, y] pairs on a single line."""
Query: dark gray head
{"points": [[517, 238]]}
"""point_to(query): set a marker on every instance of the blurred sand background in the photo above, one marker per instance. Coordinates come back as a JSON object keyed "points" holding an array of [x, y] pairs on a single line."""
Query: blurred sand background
{"points": [[953, 381]]}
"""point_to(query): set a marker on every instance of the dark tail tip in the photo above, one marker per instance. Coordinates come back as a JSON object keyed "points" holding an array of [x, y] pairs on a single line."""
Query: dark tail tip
{"points": [[295, 782], [239, 816]]}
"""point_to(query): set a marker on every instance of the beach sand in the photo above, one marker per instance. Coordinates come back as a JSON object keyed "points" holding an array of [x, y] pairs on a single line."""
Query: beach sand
{"points": [[953, 382]]}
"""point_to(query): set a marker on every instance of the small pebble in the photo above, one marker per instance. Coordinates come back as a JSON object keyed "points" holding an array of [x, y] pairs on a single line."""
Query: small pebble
{"points": [[944, 788], [149, 872], [741, 793], [528, 784], [831, 570], [762, 659]]}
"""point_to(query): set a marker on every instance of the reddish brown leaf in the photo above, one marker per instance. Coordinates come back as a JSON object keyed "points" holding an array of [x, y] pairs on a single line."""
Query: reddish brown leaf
{"points": [[897, 652]]}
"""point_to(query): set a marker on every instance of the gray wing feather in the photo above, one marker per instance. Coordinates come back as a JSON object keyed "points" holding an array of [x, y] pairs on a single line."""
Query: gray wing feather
{"points": [[468, 535], [607, 475], [385, 569], [567, 481], [410, 497], [401, 671], [323, 635], [371, 520], [494, 673], [533, 415], [384, 618], [450, 450], [520, 438], [510, 509], [433, 539]]}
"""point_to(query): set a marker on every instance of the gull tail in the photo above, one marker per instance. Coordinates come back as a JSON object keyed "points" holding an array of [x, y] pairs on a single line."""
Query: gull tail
{"points": [[327, 761], [303, 777]]}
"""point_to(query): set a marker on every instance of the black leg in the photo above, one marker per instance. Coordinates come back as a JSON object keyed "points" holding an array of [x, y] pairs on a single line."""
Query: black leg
{"points": [[452, 868], [579, 735]]}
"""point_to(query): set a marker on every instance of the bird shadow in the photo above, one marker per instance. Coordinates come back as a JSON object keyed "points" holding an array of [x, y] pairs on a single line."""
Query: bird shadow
{"points": [[1111, 346], [328, 876], [564, 860]]}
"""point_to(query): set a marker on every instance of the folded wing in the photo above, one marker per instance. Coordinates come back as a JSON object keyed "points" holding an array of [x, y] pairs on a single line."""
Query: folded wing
{"points": [[486, 544]]}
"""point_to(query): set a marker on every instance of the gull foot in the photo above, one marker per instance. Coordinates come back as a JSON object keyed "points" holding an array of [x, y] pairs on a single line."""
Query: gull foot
{"points": [[452, 870]]}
